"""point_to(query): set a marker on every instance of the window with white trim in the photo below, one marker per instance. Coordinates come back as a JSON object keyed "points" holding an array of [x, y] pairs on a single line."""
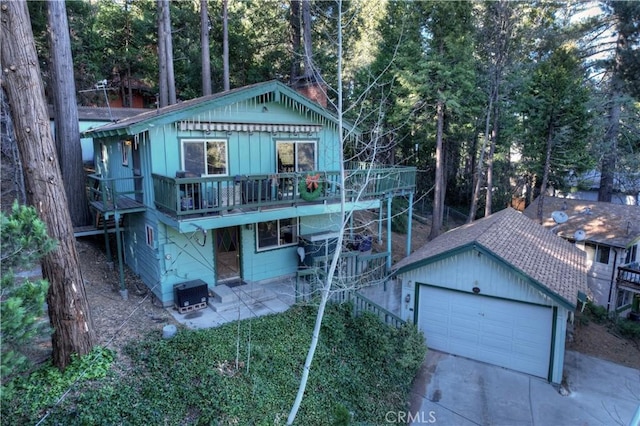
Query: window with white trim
{"points": [[632, 253], [205, 157], [277, 233], [625, 298], [150, 238], [597, 253], [124, 148], [296, 156]]}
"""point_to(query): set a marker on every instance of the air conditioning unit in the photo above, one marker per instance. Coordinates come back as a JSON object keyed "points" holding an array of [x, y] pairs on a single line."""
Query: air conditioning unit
{"points": [[190, 296]]}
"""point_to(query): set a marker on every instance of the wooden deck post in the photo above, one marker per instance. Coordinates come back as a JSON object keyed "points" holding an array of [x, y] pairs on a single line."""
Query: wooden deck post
{"points": [[409, 222], [123, 288]]}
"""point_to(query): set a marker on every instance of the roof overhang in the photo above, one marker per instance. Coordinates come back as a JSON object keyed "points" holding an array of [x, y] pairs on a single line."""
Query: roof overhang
{"points": [[271, 91]]}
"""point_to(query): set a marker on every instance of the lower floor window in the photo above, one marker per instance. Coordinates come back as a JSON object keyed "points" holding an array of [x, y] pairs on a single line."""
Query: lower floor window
{"points": [[277, 233], [624, 298]]}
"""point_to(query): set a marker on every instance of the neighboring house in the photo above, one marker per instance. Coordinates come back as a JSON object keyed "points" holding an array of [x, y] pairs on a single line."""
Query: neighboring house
{"points": [[609, 234], [90, 117], [130, 93], [626, 188], [228, 187], [499, 290]]}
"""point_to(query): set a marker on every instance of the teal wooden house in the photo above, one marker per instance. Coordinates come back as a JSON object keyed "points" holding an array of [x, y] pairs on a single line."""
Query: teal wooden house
{"points": [[229, 187]]}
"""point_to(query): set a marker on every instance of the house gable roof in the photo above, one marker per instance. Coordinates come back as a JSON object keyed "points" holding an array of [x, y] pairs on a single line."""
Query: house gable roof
{"points": [[551, 264], [616, 225], [262, 92]]}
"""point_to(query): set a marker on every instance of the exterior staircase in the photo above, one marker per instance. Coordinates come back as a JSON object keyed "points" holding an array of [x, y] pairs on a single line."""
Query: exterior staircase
{"points": [[224, 298]]}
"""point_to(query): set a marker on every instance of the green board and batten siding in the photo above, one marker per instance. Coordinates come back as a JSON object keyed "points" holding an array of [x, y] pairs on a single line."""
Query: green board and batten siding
{"points": [[184, 250]]}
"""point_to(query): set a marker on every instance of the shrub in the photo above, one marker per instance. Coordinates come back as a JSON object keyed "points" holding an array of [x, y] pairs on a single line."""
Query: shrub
{"points": [[598, 313], [628, 328], [23, 241]]}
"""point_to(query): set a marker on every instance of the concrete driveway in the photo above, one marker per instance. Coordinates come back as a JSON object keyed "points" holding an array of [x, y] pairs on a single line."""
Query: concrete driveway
{"points": [[451, 390]]}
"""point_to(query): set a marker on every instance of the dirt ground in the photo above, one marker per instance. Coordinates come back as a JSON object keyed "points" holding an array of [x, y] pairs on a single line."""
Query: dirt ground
{"points": [[117, 321]]}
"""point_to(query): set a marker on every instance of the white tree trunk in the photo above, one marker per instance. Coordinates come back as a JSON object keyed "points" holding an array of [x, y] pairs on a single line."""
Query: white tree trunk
{"points": [[326, 289]]}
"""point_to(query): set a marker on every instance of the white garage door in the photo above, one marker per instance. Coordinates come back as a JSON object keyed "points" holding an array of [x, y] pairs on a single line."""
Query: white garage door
{"points": [[496, 331]]}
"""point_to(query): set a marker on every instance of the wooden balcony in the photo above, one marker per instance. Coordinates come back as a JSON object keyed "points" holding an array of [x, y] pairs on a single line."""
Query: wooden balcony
{"points": [[629, 277], [110, 195], [183, 197]]}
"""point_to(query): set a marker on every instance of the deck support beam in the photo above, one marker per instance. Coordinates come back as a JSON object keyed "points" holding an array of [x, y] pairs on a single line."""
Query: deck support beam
{"points": [[123, 288], [409, 222]]}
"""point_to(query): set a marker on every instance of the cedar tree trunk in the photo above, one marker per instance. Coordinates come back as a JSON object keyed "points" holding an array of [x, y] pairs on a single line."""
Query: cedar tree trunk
{"points": [[67, 301]]}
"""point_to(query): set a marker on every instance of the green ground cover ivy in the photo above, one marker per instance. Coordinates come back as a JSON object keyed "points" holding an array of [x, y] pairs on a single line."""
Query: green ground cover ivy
{"points": [[247, 372]]}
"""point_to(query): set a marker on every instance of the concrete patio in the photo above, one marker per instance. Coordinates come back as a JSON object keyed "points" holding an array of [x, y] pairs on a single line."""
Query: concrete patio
{"points": [[251, 300]]}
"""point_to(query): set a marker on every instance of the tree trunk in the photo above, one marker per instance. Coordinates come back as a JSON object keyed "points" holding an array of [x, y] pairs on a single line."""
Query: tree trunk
{"points": [[308, 47], [478, 175], [294, 33], [67, 302], [67, 129], [326, 289], [204, 48], [225, 44], [610, 146], [163, 96], [492, 149], [168, 40], [545, 174], [438, 199]]}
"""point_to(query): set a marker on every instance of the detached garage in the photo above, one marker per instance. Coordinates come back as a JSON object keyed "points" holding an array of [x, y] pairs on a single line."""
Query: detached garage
{"points": [[499, 290]]}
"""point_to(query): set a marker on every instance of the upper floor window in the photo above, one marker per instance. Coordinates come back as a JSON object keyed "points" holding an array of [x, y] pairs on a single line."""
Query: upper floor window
{"points": [[632, 253], [277, 233], [598, 253], [205, 157], [296, 156], [124, 147]]}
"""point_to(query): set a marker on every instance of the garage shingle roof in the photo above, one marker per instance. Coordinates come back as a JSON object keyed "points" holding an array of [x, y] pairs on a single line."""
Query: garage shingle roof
{"points": [[521, 243]]}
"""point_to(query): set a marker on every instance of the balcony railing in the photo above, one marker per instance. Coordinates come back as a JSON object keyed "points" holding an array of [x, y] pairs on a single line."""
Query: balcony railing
{"points": [[628, 276], [182, 196], [111, 194], [354, 271]]}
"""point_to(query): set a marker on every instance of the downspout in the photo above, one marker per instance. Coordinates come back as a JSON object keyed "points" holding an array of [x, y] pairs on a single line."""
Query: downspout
{"points": [[613, 275]]}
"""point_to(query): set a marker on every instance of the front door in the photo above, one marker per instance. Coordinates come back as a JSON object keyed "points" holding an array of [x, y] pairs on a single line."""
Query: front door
{"points": [[227, 253]]}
